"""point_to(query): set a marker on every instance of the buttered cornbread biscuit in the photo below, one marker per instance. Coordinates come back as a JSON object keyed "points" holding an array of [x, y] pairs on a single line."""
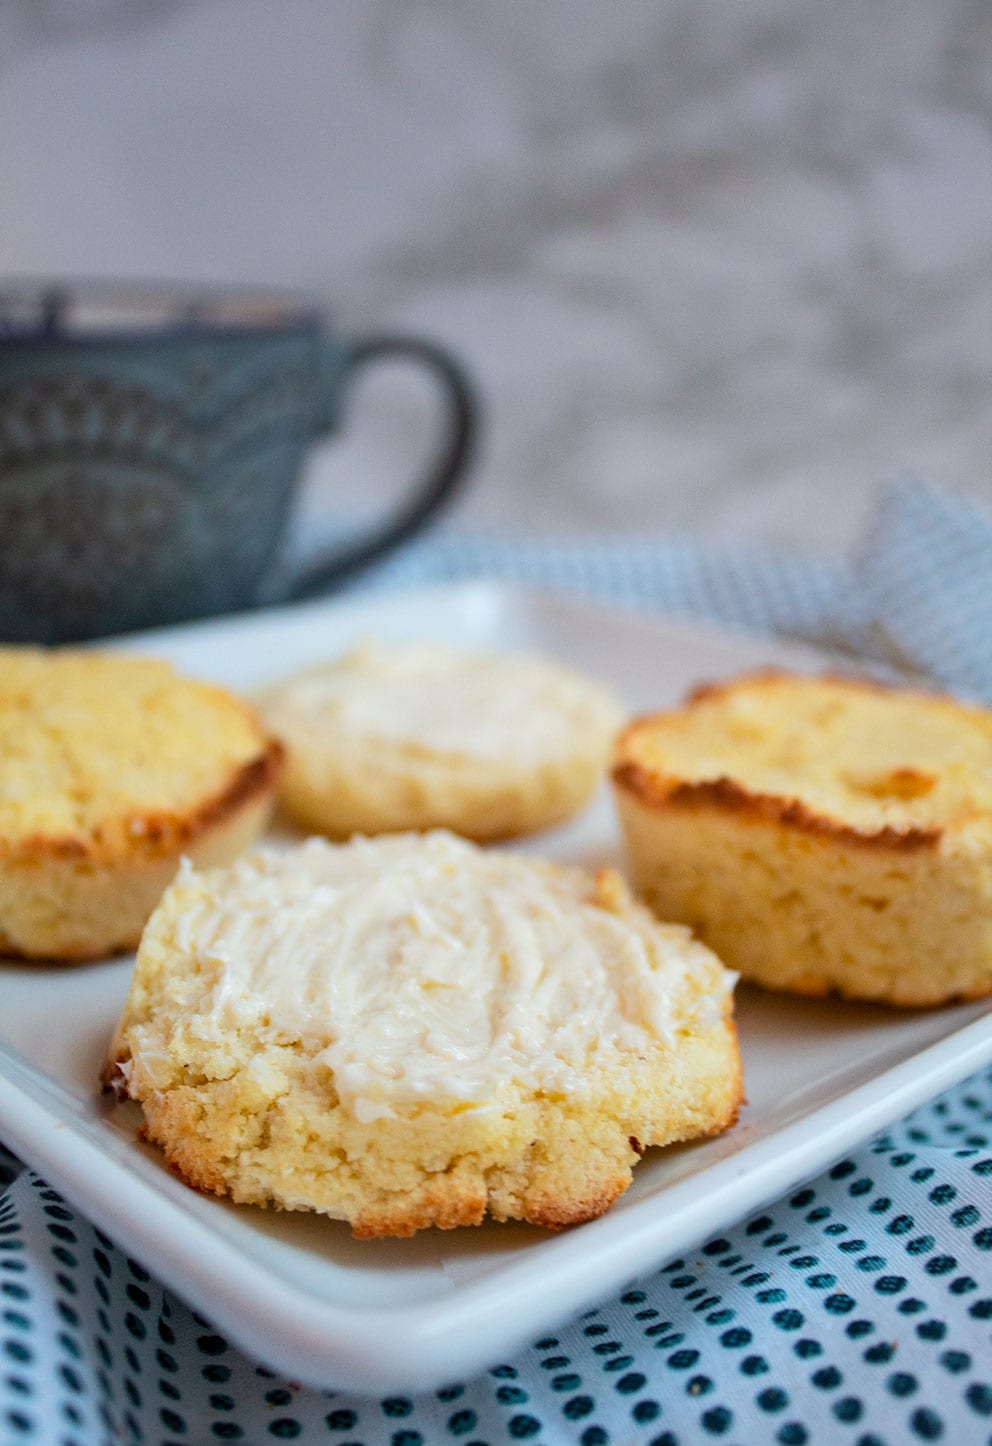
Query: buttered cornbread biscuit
{"points": [[112, 768], [419, 735], [411, 1031], [821, 834]]}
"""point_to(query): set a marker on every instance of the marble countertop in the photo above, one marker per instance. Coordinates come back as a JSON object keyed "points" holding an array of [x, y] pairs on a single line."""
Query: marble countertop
{"points": [[716, 269]]}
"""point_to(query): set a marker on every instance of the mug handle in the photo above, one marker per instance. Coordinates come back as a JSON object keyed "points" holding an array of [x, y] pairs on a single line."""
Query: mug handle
{"points": [[442, 477]]}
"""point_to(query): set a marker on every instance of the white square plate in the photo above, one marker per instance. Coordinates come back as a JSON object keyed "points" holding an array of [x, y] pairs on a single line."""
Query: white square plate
{"points": [[295, 1290]]}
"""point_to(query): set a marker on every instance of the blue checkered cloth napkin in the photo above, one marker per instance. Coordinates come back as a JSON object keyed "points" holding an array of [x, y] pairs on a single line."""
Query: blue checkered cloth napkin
{"points": [[858, 1309], [917, 597]]}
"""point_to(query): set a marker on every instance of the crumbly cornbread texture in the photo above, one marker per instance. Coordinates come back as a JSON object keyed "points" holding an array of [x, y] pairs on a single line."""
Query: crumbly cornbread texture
{"points": [[410, 1031], [822, 834], [111, 767], [422, 735]]}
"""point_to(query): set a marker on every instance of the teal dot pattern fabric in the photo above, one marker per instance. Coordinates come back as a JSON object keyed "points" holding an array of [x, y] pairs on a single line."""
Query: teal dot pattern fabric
{"points": [[858, 1309]]}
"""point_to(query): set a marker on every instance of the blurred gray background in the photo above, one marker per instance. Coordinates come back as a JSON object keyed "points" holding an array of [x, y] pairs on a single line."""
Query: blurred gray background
{"points": [[718, 268]]}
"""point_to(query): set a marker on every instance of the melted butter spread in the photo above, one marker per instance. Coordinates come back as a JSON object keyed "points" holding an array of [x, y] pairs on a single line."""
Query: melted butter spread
{"points": [[424, 968], [473, 704]]}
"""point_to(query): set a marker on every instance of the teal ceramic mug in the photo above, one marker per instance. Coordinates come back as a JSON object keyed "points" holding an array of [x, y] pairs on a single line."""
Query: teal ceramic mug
{"points": [[150, 445]]}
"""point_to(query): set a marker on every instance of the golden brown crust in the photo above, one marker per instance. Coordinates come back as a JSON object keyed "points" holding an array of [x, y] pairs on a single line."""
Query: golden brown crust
{"points": [[822, 835], [723, 687], [728, 796], [111, 768], [160, 833], [437, 1205], [553, 1214], [551, 1185], [737, 1098], [257, 777], [58, 909], [456, 1198]]}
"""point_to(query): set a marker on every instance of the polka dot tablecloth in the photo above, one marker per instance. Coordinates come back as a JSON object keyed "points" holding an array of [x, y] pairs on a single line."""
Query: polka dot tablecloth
{"points": [[857, 1310]]}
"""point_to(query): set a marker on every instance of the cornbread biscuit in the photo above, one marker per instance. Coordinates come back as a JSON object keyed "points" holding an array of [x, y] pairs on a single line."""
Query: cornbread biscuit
{"points": [[111, 768], [419, 735], [411, 1031], [821, 834]]}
